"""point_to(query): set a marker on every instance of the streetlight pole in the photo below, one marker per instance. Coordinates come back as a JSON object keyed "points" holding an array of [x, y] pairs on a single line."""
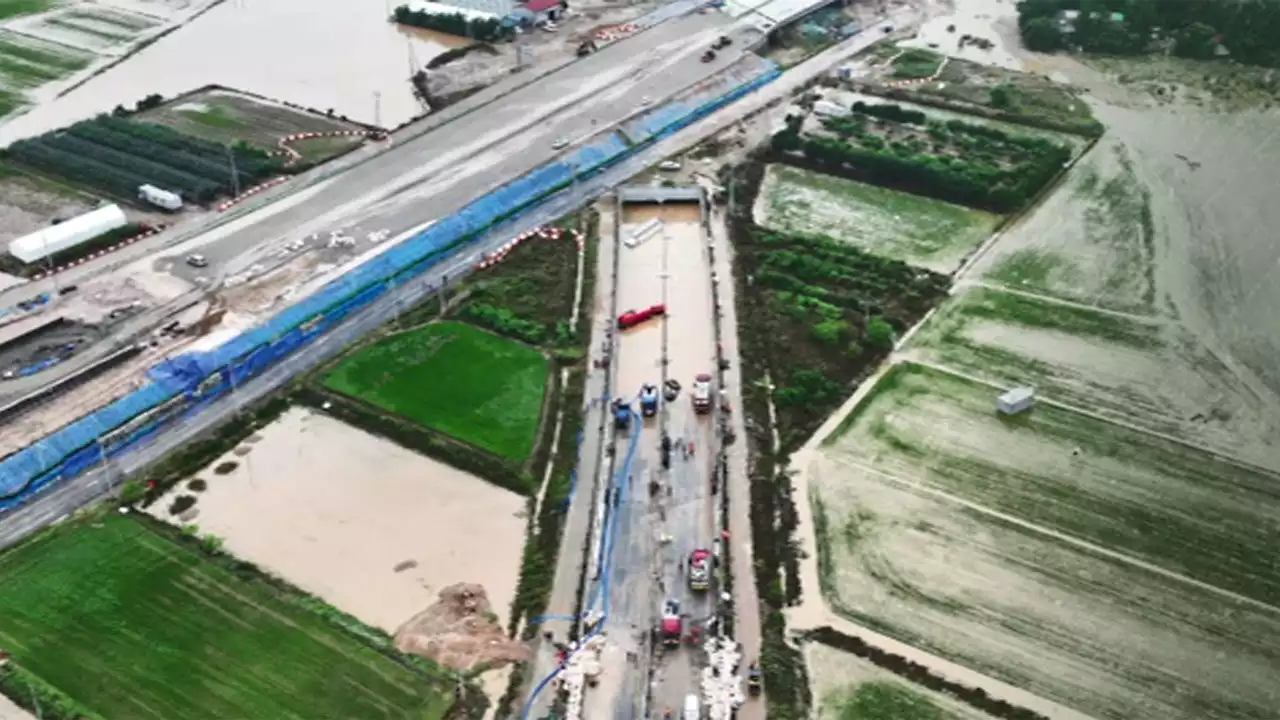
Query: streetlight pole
{"points": [[102, 465], [235, 176]]}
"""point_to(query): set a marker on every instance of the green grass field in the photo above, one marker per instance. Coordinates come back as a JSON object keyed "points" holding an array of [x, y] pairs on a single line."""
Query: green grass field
{"points": [[454, 378], [916, 63], [9, 103], [921, 231], [16, 8], [65, 60], [886, 701], [133, 626]]}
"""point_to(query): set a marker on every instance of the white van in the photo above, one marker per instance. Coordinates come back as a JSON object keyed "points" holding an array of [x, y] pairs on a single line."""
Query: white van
{"points": [[692, 708]]}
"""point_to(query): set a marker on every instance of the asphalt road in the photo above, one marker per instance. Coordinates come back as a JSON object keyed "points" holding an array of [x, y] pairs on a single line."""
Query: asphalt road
{"points": [[431, 176]]}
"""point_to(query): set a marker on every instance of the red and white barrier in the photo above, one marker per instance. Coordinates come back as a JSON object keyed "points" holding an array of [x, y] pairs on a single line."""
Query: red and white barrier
{"points": [[543, 233], [615, 32], [920, 81], [228, 204], [146, 233], [294, 155]]}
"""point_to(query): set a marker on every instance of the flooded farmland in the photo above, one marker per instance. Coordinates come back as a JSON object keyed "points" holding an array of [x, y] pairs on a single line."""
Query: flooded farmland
{"points": [[338, 54], [1185, 229]]}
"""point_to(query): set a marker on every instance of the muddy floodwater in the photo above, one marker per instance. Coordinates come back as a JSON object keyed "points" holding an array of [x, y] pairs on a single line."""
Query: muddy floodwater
{"points": [[340, 54], [372, 528], [1213, 179]]}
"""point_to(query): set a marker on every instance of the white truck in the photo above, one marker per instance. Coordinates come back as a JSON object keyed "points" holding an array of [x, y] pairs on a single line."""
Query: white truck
{"points": [[162, 199], [692, 708]]}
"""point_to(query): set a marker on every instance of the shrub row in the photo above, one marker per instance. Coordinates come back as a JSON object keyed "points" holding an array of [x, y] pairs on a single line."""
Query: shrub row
{"points": [[505, 322], [117, 155], [896, 113], [217, 171], [452, 54], [1087, 127], [258, 163], [921, 675], [43, 700], [415, 437]]}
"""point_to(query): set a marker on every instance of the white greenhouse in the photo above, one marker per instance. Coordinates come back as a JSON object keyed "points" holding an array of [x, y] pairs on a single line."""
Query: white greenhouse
{"points": [[67, 234]]}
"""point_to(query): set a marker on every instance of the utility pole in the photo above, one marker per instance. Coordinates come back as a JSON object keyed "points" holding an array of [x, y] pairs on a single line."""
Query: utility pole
{"points": [[48, 259], [377, 109]]}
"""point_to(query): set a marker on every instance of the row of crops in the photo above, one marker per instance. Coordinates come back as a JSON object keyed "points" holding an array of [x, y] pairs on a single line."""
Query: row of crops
{"points": [[116, 155]]}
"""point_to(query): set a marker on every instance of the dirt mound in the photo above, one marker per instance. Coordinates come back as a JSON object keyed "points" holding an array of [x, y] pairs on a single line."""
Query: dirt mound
{"points": [[460, 631]]}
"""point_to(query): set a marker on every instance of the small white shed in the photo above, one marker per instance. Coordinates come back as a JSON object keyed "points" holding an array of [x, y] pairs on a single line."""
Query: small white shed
{"points": [[1017, 400]]}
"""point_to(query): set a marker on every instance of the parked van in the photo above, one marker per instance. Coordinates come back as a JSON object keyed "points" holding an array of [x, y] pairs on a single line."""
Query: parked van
{"points": [[692, 708]]}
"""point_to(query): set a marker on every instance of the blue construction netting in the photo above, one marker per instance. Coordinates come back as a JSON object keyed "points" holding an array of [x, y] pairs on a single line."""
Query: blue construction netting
{"points": [[681, 113], [71, 449], [31, 464], [182, 385]]}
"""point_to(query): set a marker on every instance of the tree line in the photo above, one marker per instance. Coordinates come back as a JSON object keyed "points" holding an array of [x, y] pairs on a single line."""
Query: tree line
{"points": [[986, 167], [451, 23], [1248, 29]]}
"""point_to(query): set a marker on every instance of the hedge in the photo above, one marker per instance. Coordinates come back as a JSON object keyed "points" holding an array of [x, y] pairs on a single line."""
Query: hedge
{"points": [[919, 674]]}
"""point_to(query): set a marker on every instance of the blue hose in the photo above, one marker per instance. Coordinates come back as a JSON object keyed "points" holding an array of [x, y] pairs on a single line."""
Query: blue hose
{"points": [[609, 534]]}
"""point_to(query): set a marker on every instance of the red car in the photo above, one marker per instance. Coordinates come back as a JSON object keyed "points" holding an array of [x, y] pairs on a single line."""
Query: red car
{"points": [[632, 318]]}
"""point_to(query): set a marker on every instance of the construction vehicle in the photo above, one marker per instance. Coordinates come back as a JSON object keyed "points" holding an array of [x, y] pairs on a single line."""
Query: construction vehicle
{"points": [[672, 625], [621, 414], [721, 43], [708, 56], [649, 400], [702, 393], [753, 678], [700, 570]]}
